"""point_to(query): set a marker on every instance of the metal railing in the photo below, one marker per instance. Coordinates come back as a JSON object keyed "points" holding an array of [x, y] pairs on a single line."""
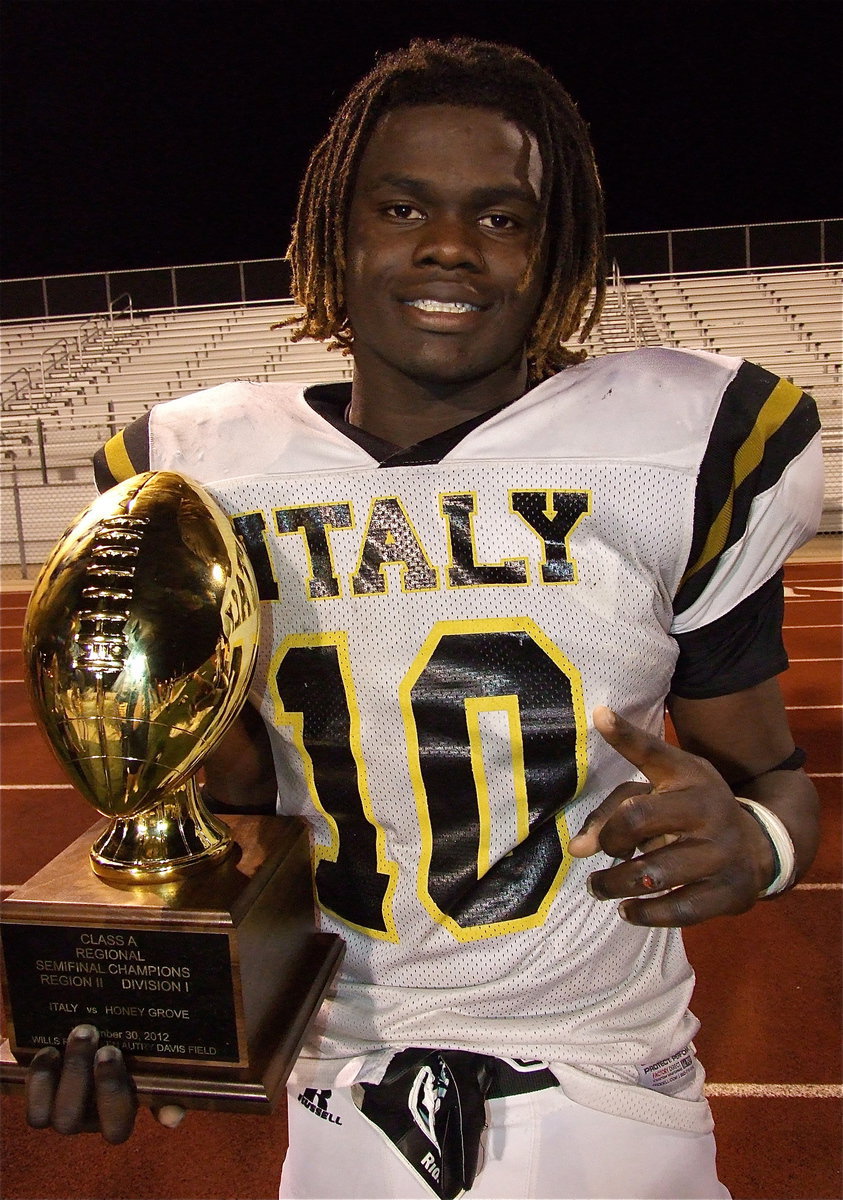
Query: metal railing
{"points": [[659, 252], [39, 493], [731, 248], [20, 382], [113, 306], [625, 308]]}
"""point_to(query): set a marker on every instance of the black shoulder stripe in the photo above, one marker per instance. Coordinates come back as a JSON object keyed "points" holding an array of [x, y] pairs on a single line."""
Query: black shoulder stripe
{"points": [[762, 425], [124, 455]]}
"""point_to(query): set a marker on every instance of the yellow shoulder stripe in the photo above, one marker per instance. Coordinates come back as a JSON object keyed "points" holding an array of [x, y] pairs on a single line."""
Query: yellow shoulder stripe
{"points": [[776, 409], [117, 458]]}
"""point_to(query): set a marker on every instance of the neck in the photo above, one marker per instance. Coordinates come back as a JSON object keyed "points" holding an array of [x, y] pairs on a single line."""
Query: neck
{"points": [[405, 411]]}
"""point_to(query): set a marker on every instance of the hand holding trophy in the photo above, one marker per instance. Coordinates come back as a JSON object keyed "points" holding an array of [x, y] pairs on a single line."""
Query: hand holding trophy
{"points": [[192, 948]]}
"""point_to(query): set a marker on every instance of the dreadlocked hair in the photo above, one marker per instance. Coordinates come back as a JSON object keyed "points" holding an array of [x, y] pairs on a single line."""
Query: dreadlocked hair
{"points": [[473, 74]]}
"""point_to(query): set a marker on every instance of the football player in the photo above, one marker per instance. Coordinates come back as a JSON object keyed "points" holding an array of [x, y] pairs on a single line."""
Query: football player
{"points": [[487, 566]]}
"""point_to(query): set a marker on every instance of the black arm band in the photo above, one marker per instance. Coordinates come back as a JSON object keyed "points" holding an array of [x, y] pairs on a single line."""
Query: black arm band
{"points": [[793, 762]]}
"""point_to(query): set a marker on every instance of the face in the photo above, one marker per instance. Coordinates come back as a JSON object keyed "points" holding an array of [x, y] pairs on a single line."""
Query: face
{"points": [[443, 222]]}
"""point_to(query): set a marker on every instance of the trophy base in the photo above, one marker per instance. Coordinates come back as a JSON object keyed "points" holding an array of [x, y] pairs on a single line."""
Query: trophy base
{"points": [[208, 984]]}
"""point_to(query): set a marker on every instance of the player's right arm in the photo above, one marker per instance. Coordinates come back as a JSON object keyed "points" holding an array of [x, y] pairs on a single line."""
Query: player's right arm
{"points": [[240, 774]]}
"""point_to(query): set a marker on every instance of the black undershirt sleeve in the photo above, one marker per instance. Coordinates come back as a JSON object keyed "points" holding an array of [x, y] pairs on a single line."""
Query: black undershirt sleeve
{"points": [[738, 651]]}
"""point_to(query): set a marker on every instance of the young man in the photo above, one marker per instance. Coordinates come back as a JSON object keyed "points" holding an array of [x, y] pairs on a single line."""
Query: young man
{"points": [[464, 556]]}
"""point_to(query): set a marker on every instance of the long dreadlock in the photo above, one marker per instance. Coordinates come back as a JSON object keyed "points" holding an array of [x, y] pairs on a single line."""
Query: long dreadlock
{"points": [[474, 74]]}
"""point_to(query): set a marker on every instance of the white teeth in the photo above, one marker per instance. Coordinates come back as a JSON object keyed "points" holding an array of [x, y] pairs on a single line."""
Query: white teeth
{"points": [[443, 306]]}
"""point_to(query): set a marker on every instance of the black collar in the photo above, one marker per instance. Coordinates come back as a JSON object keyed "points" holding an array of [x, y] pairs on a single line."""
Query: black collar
{"points": [[331, 400]]}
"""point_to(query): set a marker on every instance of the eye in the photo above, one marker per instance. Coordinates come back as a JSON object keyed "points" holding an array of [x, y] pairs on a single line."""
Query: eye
{"points": [[499, 221], [403, 212]]}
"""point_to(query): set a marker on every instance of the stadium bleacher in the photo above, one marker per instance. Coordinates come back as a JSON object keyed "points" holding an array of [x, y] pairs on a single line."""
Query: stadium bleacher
{"points": [[68, 384]]}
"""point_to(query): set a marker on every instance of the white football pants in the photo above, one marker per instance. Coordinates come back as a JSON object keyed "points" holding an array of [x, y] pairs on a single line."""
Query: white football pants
{"points": [[538, 1146]]}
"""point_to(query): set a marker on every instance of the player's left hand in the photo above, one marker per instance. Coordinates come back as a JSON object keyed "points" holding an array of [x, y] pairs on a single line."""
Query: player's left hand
{"points": [[683, 835]]}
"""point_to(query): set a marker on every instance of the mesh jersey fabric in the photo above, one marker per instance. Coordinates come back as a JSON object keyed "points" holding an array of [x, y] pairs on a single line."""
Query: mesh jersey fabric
{"points": [[434, 639]]}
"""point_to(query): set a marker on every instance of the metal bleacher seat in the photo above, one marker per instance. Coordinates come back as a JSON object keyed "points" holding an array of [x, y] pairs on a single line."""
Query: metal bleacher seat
{"points": [[61, 406]]}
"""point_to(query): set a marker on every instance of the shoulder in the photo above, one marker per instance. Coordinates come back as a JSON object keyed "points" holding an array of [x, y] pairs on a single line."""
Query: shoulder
{"points": [[179, 433], [694, 391], [653, 404], [227, 400], [182, 434], [654, 365], [221, 432]]}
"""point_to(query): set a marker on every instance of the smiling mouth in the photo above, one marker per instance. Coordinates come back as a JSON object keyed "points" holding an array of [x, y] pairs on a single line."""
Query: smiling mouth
{"points": [[443, 306]]}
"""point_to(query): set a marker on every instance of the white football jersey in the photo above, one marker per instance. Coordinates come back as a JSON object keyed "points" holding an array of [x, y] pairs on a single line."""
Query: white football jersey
{"points": [[434, 639]]}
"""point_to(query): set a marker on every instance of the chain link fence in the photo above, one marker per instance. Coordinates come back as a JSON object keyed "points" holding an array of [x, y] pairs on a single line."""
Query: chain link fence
{"points": [[34, 517]]}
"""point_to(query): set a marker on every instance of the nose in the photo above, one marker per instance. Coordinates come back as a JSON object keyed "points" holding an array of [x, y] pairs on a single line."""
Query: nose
{"points": [[450, 242]]}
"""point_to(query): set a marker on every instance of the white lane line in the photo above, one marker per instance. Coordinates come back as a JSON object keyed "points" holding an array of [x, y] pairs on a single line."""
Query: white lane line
{"points": [[790, 589], [818, 887], [37, 787], [779, 1091], [810, 707]]}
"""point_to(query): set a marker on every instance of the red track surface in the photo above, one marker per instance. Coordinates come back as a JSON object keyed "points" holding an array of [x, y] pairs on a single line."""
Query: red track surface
{"points": [[768, 991]]}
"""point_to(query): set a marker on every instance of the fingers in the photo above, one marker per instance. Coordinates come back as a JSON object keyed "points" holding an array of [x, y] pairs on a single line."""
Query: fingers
{"points": [[683, 850], [624, 822], [679, 880], [686, 906], [87, 1090], [115, 1095], [41, 1082], [170, 1115], [587, 841], [664, 765], [71, 1111], [641, 818], [658, 871]]}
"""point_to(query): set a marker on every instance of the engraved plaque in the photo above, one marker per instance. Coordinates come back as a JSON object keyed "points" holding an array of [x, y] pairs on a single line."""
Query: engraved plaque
{"points": [[145, 990]]}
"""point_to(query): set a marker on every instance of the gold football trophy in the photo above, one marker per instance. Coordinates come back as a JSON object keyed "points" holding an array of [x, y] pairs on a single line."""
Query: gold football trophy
{"points": [[189, 945]]}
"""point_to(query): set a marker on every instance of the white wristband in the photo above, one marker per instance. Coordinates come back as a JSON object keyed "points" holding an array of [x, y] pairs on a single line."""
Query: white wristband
{"points": [[781, 842]]}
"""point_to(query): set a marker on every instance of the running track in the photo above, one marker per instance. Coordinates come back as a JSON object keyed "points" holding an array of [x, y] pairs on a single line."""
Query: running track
{"points": [[768, 991]]}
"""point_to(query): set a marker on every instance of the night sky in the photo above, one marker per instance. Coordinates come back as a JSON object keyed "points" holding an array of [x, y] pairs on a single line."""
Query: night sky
{"points": [[141, 133]]}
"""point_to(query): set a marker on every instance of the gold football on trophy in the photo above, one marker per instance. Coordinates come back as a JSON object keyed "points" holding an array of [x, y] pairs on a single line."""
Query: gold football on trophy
{"points": [[140, 640]]}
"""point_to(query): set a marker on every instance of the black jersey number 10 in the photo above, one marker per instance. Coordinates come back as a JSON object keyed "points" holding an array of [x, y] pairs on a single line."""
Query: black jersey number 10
{"points": [[466, 879]]}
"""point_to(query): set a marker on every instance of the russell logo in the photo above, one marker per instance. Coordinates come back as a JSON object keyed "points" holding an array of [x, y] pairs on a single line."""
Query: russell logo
{"points": [[316, 1101]]}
